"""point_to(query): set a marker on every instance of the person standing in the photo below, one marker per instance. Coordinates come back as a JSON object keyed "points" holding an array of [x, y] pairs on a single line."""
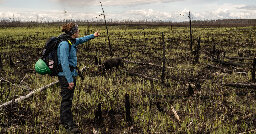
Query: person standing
{"points": [[67, 58]]}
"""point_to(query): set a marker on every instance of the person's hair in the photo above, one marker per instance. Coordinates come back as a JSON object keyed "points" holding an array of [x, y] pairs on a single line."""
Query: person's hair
{"points": [[70, 28]]}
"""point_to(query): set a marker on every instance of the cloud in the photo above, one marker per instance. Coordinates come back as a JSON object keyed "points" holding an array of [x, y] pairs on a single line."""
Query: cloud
{"points": [[148, 14], [111, 2], [45, 16], [77, 3], [225, 11], [135, 2], [134, 15], [248, 7]]}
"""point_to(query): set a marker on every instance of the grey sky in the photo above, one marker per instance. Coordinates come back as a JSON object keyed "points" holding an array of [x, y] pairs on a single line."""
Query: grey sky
{"points": [[166, 10]]}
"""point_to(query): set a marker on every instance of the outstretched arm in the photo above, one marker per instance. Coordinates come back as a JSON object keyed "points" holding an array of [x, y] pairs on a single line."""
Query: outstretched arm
{"points": [[81, 40]]}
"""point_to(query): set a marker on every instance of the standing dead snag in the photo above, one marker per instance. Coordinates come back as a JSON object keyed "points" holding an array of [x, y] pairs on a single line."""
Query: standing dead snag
{"points": [[190, 90], [128, 117], [11, 62], [164, 59], [109, 44], [253, 69], [197, 51], [144, 35], [87, 46], [191, 40]]}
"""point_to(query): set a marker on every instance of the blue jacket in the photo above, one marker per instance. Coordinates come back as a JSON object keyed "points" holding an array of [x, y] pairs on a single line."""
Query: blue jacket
{"points": [[68, 57]]}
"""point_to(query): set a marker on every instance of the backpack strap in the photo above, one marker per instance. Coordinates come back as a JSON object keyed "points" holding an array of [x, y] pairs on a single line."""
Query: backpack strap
{"points": [[69, 42]]}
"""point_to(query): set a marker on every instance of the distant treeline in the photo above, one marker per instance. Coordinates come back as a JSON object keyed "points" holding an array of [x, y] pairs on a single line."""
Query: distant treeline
{"points": [[195, 23]]}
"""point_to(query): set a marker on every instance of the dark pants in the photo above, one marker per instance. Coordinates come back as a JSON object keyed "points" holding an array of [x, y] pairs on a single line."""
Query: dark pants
{"points": [[66, 116]]}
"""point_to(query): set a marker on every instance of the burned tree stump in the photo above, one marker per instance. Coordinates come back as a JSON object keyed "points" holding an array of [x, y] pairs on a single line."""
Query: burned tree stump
{"points": [[152, 85], [96, 61], [1, 64], [98, 116], [198, 86], [99, 61], [128, 117], [190, 90], [11, 62], [159, 107]]}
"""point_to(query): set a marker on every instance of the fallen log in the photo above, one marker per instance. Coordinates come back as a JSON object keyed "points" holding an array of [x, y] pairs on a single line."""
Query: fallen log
{"points": [[220, 68], [143, 76], [241, 85], [239, 58], [147, 64], [226, 63]]}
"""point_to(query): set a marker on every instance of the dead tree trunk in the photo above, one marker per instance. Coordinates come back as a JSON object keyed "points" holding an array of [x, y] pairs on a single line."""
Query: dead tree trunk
{"points": [[197, 51], [109, 44], [1, 64], [253, 69], [98, 116], [213, 52], [144, 36], [241, 85], [190, 23], [96, 61], [164, 60], [2, 92]]}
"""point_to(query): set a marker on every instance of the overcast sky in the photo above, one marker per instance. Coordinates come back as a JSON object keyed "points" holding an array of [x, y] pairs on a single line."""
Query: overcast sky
{"points": [[165, 10]]}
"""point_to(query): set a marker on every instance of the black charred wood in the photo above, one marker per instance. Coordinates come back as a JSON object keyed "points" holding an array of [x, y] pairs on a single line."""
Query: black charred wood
{"points": [[1, 64], [11, 62], [128, 109], [96, 61], [159, 107], [253, 69], [190, 90], [98, 116]]}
